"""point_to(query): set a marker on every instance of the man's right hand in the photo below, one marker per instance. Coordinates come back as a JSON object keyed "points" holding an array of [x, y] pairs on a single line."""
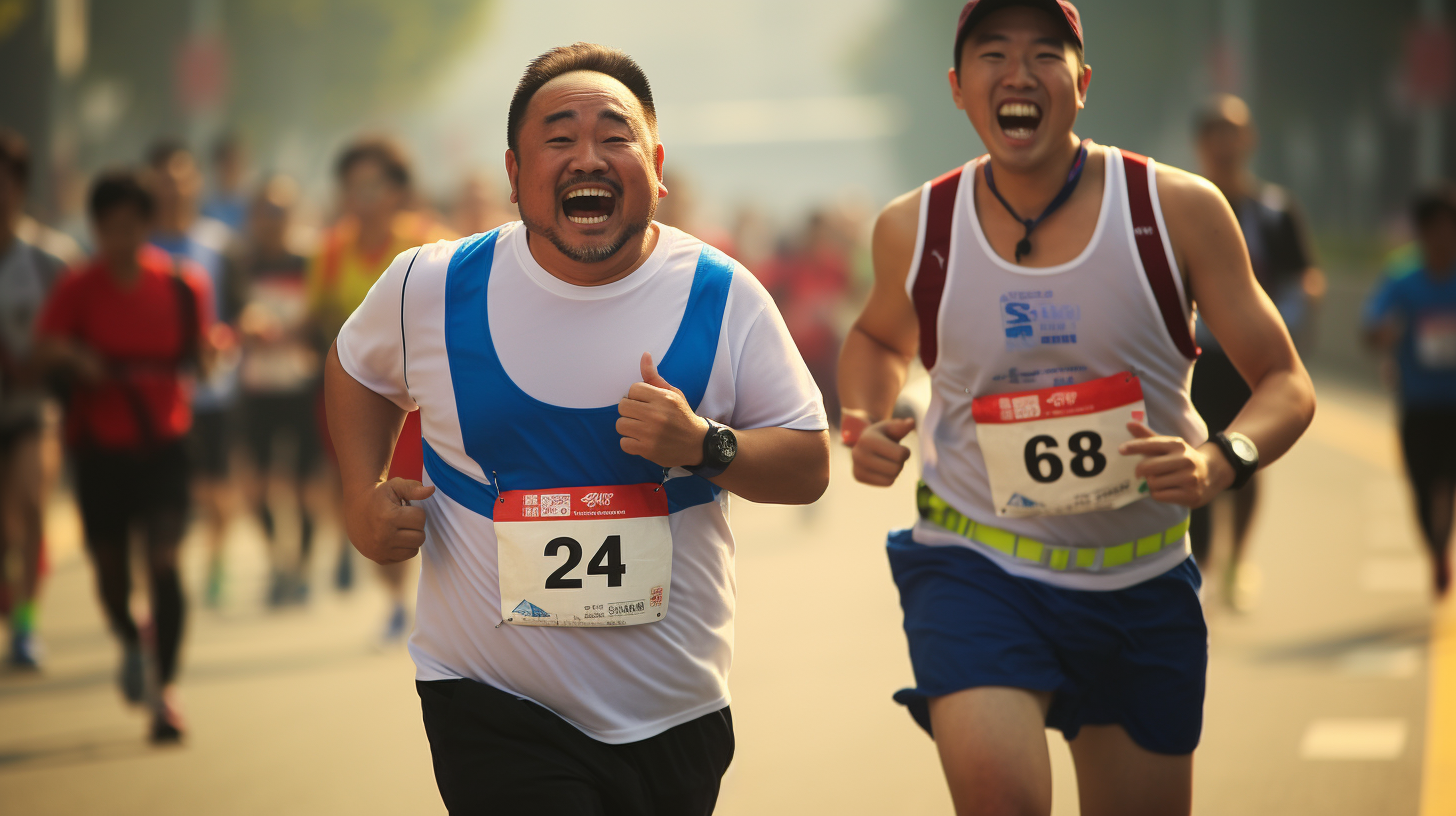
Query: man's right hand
{"points": [[384, 527], [878, 455]]}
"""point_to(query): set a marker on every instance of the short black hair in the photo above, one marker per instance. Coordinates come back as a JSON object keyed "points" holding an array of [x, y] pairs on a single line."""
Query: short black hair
{"points": [[15, 156], [114, 189], [1432, 203], [161, 151], [383, 151], [580, 56]]}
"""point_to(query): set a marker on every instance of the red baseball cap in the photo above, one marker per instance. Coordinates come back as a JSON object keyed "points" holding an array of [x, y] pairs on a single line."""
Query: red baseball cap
{"points": [[976, 10]]}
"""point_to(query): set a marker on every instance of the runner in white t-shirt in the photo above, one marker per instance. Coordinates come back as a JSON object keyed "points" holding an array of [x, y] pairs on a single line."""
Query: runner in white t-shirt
{"points": [[576, 374]]}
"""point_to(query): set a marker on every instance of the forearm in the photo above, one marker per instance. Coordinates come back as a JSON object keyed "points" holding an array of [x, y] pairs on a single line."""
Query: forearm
{"points": [[364, 426], [871, 375], [778, 466], [1278, 412]]}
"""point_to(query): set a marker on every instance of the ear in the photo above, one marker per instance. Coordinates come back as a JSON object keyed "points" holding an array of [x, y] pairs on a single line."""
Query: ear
{"points": [[660, 157], [1083, 82], [513, 172], [955, 88]]}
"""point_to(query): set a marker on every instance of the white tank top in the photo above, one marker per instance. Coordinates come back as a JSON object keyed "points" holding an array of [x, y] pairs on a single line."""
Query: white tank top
{"points": [[1097, 315]]}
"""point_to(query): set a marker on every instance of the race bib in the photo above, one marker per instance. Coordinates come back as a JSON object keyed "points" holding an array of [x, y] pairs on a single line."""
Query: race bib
{"points": [[584, 556], [1436, 341], [1053, 452]]}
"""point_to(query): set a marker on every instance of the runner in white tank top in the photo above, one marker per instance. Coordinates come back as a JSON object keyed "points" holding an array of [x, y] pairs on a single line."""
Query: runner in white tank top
{"points": [[1048, 287]]}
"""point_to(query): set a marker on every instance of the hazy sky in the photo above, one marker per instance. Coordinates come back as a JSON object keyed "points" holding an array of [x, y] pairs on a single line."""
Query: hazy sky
{"points": [[755, 99]]}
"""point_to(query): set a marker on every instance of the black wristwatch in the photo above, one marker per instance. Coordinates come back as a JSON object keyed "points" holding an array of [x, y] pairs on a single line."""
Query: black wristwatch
{"points": [[1240, 452], [719, 448]]}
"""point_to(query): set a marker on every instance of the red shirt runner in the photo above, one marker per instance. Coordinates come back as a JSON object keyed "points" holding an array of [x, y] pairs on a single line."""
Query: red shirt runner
{"points": [[137, 329]]}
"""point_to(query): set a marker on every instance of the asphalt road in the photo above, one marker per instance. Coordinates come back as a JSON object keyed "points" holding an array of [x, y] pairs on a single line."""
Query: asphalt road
{"points": [[1317, 697]]}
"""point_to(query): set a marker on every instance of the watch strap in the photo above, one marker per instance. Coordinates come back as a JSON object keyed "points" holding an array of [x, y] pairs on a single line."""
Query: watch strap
{"points": [[1243, 469], [711, 465]]}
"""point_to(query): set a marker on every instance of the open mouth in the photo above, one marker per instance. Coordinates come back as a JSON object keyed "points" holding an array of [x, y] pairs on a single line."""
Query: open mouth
{"points": [[589, 205], [1018, 120]]}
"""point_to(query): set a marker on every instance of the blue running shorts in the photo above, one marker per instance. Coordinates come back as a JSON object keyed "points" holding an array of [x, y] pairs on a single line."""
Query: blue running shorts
{"points": [[1134, 657]]}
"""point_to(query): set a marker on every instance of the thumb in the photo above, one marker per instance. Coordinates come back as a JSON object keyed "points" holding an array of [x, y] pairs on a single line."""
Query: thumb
{"points": [[411, 490], [1140, 431], [898, 429], [649, 372]]}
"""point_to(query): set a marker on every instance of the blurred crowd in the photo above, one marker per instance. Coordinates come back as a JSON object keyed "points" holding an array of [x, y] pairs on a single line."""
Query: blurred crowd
{"points": [[167, 361]]}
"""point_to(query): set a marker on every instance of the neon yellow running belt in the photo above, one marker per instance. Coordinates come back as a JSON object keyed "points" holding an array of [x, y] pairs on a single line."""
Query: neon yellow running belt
{"points": [[1090, 559]]}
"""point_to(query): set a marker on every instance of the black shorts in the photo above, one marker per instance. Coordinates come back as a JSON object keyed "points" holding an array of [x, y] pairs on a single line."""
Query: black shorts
{"points": [[1219, 391], [118, 489], [266, 417], [1428, 439], [495, 753], [208, 443]]}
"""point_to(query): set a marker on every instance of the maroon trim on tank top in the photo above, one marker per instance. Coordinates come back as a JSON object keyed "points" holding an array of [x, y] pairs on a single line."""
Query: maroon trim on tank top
{"points": [[934, 257], [1154, 257]]}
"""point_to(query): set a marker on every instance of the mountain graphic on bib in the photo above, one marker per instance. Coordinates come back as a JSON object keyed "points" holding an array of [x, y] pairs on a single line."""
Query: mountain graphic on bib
{"points": [[1018, 500], [530, 610]]}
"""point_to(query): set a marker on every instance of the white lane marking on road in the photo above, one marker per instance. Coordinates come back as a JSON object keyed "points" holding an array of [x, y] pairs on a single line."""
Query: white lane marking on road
{"points": [[1367, 738], [1400, 662], [1393, 575]]}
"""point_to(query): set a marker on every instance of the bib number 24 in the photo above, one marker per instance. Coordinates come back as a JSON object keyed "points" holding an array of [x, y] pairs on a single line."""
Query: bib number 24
{"points": [[1045, 466], [607, 561]]}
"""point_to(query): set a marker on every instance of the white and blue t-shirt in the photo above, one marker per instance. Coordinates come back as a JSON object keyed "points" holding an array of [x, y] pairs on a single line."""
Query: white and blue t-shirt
{"points": [[517, 375]]}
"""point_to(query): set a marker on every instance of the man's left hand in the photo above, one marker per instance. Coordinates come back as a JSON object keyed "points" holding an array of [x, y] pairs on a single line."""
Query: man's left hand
{"points": [[1177, 472], [658, 424]]}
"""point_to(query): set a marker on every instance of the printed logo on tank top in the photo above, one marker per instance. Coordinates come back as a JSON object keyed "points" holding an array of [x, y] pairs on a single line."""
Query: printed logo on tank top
{"points": [[1034, 318], [1057, 375]]}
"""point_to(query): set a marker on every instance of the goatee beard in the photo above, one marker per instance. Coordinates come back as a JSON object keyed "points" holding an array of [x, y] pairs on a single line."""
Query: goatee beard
{"points": [[595, 254]]}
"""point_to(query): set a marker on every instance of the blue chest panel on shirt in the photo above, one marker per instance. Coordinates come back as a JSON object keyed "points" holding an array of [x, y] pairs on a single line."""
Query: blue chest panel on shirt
{"points": [[526, 444]]}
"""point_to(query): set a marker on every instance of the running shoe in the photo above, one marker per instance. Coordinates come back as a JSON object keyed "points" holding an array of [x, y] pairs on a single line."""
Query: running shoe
{"points": [[25, 651], [1242, 582], [344, 572], [215, 576], [277, 589], [167, 726], [133, 674], [396, 627]]}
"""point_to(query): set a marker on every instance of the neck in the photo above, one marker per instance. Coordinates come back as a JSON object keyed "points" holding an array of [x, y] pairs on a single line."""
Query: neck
{"points": [[627, 260], [124, 269], [375, 233], [1030, 189]]}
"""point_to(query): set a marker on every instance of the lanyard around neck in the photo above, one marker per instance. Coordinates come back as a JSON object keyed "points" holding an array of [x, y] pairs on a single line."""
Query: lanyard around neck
{"points": [[1023, 247]]}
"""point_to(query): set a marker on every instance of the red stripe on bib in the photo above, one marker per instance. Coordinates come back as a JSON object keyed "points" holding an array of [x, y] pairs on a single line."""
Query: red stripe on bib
{"points": [[1061, 401], [584, 503]]}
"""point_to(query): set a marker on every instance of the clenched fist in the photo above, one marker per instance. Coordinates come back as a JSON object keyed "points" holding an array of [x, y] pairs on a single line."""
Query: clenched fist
{"points": [[383, 525], [877, 453], [658, 424], [1177, 472]]}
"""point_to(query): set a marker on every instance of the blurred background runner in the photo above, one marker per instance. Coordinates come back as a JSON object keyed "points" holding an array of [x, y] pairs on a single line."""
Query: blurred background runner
{"points": [[279, 379], [379, 219], [27, 275], [1283, 259], [122, 331], [183, 231], [1413, 317]]}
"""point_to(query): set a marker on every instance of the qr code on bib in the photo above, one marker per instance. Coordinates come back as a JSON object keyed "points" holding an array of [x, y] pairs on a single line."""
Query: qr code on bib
{"points": [[555, 504]]}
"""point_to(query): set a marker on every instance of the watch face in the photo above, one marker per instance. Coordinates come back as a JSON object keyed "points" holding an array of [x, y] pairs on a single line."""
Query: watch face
{"points": [[727, 448], [1243, 448]]}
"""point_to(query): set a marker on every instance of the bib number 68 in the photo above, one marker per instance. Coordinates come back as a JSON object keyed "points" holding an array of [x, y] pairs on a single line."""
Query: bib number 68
{"points": [[1046, 467]]}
